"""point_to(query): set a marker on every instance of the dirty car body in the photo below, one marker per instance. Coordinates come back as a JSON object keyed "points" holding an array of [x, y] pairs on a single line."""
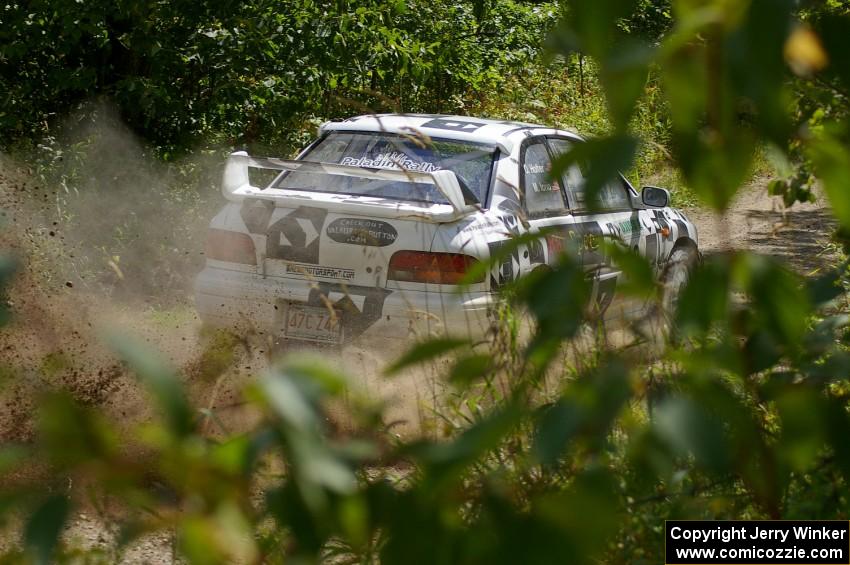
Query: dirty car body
{"points": [[370, 231]]}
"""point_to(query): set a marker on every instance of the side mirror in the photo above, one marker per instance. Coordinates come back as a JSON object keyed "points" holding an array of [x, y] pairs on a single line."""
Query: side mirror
{"points": [[655, 197]]}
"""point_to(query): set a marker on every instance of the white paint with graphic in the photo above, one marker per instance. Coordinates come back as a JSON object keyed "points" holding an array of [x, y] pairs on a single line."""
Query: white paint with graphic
{"points": [[377, 227]]}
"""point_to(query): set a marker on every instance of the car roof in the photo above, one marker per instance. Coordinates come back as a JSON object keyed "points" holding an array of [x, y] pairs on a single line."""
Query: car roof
{"points": [[465, 128]]}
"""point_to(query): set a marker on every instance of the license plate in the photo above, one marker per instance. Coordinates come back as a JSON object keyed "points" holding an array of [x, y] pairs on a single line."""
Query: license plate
{"points": [[312, 323]]}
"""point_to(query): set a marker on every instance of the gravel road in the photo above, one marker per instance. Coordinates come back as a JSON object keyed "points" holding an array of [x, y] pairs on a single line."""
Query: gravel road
{"points": [[799, 236]]}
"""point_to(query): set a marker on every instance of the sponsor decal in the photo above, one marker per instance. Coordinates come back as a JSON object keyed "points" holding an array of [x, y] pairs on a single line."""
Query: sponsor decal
{"points": [[452, 125], [484, 225], [319, 271], [627, 231], [511, 224], [395, 160], [256, 214], [683, 228], [660, 220], [542, 182], [626, 227], [535, 252], [555, 246], [588, 235], [583, 237], [358, 306], [538, 187], [295, 237], [637, 231], [362, 231], [652, 250], [535, 168], [507, 269], [508, 205]]}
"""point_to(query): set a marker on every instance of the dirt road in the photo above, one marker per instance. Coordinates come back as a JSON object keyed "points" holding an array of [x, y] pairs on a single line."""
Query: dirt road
{"points": [[798, 236]]}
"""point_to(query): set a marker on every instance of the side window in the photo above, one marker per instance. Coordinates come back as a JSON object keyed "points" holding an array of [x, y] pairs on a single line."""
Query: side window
{"points": [[543, 195], [612, 196], [572, 177]]}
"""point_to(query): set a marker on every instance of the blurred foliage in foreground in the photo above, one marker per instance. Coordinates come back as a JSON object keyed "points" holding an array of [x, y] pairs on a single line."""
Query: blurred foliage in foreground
{"points": [[743, 412]]}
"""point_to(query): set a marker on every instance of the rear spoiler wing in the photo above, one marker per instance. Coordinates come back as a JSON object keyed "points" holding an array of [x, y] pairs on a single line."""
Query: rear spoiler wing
{"points": [[236, 184]]}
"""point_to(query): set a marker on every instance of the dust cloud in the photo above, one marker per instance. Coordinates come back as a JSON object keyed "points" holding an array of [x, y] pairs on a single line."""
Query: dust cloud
{"points": [[108, 237], [105, 236]]}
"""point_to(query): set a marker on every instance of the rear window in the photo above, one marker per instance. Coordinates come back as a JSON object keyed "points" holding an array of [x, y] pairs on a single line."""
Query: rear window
{"points": [[472, 163]]}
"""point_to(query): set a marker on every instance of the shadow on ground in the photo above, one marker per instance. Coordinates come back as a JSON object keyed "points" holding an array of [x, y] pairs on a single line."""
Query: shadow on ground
{"points": [[799, 237]]}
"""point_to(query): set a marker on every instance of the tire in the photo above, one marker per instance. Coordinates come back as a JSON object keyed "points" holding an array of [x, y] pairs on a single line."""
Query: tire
{"points": [[676, 275]]}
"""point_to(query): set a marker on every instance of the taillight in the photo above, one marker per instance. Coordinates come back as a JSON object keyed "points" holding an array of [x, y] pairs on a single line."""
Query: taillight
{"points": [[230, 246], [435, 268]]}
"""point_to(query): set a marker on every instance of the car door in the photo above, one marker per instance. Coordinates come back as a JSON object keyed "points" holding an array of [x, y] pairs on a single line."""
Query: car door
{"points": [[614, 218], [544, 203]]}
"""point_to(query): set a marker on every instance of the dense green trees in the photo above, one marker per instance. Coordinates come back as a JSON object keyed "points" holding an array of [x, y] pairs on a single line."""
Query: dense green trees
{"points": [[251, 71]]}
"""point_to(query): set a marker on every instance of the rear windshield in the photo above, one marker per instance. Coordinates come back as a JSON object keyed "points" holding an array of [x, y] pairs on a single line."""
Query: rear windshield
{"points": [[472, 163]]}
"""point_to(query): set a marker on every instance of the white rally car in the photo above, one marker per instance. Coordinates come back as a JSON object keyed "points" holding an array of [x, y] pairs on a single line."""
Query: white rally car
{"points": [[367, 234]]}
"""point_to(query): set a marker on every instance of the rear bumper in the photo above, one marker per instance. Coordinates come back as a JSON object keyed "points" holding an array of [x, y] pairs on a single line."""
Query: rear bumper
{"points": [[244, 300]]}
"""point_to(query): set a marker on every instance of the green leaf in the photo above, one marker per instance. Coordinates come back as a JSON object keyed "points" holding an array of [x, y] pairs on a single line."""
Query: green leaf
{"points": [[11, 457], [601, 160], [289, 402], [557, 299], [780, 302], [70, 433], [587, 515], [712, 144], [470, 368], [705, 299], [832, 165], [837, 424], [426, 351], [833, 28], [445, 462], [44, 527], [689, 429], [295, 396], [802, 412], [639, 279], [199, 540], [591, 27], [755, 57], [623, 75], [828, 286], [588, 408]]}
